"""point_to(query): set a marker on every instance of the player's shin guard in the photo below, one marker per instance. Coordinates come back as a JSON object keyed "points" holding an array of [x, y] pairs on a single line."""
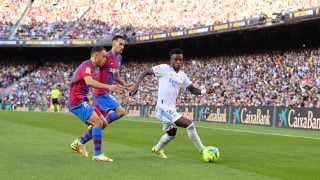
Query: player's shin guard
{"points": [[112, 117], [97, 140], [87, 136], [194, 137], [165, 139]]}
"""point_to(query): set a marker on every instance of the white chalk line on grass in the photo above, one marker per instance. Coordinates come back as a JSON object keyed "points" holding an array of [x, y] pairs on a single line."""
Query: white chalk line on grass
{"points": [[237, 130], [254, 132], [243, 131]]}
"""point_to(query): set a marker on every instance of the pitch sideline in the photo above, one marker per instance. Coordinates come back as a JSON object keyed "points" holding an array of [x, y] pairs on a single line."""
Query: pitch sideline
{"points": [[237, 130]]}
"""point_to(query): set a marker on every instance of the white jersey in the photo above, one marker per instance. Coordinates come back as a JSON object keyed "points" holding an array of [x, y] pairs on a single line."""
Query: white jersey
{"points": [[170, 83]]}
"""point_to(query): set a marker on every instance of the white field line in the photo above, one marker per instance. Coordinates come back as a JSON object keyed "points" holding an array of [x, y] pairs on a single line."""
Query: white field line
{"points": [[237, 130]]}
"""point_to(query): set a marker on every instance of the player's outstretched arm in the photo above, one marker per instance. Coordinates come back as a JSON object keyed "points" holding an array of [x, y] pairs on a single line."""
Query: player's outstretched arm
{"points": [[197, 91], [140, 78], [194, 90], [96, 84], [122, 82]]}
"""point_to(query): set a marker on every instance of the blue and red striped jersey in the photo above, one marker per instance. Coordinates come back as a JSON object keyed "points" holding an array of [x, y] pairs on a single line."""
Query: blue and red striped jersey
{"points": [[78, 88], [106, 74]]}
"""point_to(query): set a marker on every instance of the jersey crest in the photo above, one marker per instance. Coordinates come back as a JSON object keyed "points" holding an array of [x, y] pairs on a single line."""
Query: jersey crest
{"points": [[88, 70]]}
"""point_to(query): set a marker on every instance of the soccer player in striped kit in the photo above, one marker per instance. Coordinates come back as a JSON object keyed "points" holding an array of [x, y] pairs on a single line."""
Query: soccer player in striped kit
{"points": [[108, 73], [79, 104]]}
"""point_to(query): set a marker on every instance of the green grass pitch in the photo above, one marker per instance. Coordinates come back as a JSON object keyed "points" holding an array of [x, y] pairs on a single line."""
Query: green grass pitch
{"points": [[36, 146]]}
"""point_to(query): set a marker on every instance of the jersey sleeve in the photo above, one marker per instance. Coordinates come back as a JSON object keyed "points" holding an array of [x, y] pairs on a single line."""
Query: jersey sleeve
{"points": [[86, 70], [186, 81], [160, 70]]}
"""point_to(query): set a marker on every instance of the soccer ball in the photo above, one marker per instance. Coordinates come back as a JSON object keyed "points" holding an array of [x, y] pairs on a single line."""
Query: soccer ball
{"points": [[210, 154]]}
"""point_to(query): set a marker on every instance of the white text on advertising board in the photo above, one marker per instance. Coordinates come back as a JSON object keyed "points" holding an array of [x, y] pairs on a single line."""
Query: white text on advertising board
{"points": [[218, 116], [298, 121], [255, 118]]}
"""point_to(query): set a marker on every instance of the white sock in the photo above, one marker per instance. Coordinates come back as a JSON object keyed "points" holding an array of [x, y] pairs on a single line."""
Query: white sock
{"points": [[165, 139], [194, 137]]}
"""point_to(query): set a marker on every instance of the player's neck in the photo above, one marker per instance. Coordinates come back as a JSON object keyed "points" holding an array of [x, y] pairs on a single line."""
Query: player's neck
{"points": [[114, 52], [176, 70], [93, 62]]}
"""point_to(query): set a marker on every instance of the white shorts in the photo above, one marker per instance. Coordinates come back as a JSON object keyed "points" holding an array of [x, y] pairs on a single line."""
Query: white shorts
{"points": [[167, 117]]}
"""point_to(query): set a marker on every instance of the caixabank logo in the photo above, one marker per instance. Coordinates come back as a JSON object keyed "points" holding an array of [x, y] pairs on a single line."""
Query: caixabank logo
{"points": [[251, 115], [216, 114], [282, 118], [236, 116], [301, 118]]}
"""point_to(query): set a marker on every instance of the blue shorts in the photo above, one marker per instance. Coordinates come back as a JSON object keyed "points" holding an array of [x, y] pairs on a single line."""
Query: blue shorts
{"points": [[82, 110], [106, 102]]}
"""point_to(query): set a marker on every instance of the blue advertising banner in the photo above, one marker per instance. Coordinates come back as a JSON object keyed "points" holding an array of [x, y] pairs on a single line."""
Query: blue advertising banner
{"points": [[281, 117]]}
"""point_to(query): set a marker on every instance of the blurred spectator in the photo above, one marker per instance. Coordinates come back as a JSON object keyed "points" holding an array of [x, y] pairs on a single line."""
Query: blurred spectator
{"points": [[284, 79], [48, 19]]}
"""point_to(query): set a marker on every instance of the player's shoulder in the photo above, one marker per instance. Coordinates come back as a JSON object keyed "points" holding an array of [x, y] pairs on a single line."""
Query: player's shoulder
{"points": [[86, 67], [161, 67], [164, 66], [85, 64], [119, 57], [110, 54], [182, 73]]}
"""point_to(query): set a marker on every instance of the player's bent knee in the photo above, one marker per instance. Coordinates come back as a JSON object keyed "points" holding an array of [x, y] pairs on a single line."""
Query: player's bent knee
{"points": [[120, 111], [183, 122], [96, 122], [99, 123], [172, 132], [171, 137], [191, 127], [104, 121], [104, 124]]}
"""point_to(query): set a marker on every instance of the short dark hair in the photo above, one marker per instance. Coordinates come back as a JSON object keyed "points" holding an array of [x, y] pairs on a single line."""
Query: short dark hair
{"points": [[97, 49], [176, 51], [116, 37]]}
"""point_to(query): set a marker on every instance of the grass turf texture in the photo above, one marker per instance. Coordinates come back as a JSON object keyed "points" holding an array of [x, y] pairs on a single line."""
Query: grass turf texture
{"points": [[36, 146]]}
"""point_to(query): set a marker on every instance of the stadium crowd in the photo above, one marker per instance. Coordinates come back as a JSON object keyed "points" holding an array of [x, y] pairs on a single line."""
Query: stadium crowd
{"points": [[49, 19], [284, 79], [10, 72], [34, 87]]}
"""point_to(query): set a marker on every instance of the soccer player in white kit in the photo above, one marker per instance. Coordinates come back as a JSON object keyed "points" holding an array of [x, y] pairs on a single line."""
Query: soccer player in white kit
{"points": [[171, 79]]}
